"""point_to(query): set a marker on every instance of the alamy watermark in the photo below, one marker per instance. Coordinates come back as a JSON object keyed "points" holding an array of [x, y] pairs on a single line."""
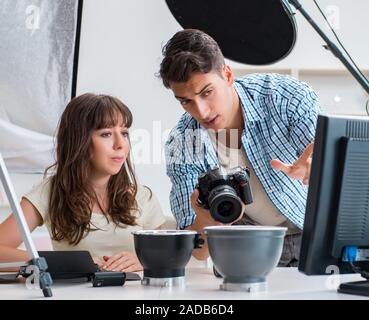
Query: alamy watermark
{"points": [[32, 22], [332, 13], [189, 146], [334, 279], [33, 280]]}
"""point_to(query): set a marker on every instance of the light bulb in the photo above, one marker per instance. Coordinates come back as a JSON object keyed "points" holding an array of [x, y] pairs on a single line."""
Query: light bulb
{"points": [[337, 99]]}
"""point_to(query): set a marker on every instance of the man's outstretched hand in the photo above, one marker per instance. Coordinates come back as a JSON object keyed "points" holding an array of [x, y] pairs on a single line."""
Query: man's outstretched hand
{"points": [[300, 169]]}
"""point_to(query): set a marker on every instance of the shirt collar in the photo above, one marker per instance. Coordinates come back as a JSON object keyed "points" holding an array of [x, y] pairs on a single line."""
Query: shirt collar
{"points": [[251, 106]]}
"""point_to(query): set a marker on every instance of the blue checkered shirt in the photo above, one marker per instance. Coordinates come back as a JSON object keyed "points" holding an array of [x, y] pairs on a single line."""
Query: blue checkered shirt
{"points": [[280, 116]]}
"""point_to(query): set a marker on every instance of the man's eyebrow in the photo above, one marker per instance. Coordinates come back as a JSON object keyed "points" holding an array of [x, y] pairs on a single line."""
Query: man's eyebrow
{"points": [[196, 93]]}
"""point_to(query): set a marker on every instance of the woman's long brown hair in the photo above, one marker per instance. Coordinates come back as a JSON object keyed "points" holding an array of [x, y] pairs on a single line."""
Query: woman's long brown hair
{"points": [[71, 194]]}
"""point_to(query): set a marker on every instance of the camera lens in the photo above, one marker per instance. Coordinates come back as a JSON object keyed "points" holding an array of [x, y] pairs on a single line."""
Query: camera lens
{"points": [[225, 205]]}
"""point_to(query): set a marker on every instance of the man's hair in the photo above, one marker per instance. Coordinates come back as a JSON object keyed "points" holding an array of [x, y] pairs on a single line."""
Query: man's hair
{"points": [[189, 51]]}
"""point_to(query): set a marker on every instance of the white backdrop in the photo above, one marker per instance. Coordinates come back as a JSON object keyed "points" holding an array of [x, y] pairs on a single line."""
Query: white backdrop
{"points": [[36, 65]]}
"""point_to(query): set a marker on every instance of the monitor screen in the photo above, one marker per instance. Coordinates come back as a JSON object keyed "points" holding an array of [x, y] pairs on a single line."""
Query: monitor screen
{"points": [[337, 208]]}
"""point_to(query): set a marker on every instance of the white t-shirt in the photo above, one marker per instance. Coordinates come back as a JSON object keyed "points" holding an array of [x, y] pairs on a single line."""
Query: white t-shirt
{"points": [[108, 239], [262, 211]]}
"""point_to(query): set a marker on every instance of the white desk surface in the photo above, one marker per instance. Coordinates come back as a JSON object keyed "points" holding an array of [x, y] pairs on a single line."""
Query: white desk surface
{"points": [[201, 284]]}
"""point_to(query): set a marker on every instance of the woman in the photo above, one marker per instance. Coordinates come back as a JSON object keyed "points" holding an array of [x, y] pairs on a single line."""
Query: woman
{"points": [[91, 201]]}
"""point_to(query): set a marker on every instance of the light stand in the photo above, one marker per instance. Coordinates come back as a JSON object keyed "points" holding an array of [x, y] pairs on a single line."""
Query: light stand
{"points": [[37, 262], [357, 287], [332, 47]]}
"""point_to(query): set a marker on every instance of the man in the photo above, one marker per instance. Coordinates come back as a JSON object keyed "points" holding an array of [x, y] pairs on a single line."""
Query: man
{"points": [[263, 121]]}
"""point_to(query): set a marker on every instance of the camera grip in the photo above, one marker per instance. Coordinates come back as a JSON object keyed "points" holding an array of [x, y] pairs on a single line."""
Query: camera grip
{"points": [[246, 194]]}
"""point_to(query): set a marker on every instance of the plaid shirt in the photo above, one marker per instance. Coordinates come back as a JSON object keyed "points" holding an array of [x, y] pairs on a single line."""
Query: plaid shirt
{"points": [[280, 116]]}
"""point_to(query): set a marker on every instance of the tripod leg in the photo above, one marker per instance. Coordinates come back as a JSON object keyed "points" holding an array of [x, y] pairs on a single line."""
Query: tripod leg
{"points": [[45, 278], [47, 292], [39, 263]]}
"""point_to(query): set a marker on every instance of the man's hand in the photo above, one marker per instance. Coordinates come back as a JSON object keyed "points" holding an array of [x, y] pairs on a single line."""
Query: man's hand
{"points": [[203, 217], [124, 261], [300, 169]]}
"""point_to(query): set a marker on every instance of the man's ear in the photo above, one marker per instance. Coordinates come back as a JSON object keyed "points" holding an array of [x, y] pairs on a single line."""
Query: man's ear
{"points": [[228, 74]]}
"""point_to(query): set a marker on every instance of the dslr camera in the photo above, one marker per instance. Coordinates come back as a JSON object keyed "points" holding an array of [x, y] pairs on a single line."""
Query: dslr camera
{"points": [[223, 191]]}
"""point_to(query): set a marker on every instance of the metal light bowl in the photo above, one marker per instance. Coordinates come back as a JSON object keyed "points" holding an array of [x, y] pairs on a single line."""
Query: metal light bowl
{"points": [[164, 253], [245, 255]]}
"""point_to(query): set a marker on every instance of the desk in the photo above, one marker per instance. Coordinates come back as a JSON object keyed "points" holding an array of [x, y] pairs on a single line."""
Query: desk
{"points": [[201, 284]]}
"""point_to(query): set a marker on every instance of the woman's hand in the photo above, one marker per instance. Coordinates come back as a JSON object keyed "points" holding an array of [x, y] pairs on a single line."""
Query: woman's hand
{"points": [[124, 261], [300, 169], [99, 262]]}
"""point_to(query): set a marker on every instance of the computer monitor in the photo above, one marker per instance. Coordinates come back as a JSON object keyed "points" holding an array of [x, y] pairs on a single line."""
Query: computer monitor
{"points": [[336, 222]]}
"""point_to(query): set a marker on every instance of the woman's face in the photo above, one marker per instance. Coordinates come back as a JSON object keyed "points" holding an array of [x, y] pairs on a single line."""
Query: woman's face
{"points": [[109, 150]]}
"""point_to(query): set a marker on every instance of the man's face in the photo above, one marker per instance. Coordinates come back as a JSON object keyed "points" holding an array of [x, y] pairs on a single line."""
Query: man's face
{"points": [[208, 97]]}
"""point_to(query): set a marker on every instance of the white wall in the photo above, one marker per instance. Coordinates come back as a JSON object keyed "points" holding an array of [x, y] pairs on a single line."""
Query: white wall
{"points": [[353, 31], [120, 52]]}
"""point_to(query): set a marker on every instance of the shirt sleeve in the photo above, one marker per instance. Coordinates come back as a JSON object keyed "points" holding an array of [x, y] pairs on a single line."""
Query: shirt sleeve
{"points": [[184, 179], [303, 110], [152, 214], [185, 157], [39, 197]]}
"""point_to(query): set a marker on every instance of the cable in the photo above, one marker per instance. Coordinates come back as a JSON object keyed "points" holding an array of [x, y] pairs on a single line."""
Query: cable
{"points": [[343, 47], [350, 254], [363, 273]]}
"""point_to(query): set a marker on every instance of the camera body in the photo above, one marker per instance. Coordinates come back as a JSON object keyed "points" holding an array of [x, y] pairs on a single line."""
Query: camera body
{"points": [[223, 191]]}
